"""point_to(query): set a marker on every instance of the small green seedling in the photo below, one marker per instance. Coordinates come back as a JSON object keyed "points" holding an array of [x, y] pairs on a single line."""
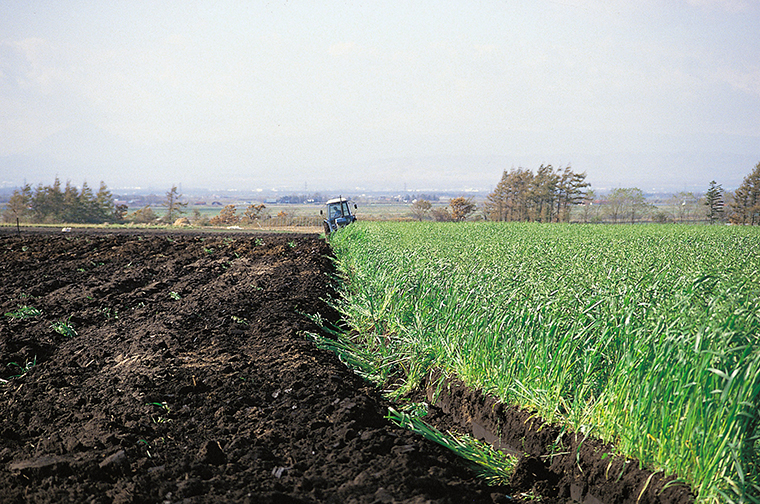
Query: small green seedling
{"points": [[64, 328], [239, 320], [24, 312], [175, 296], [147, 447], [167, 410], [23, 369]]}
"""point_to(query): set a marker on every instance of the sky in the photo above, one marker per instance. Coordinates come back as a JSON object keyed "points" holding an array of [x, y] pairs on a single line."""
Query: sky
{"points": [[658, 94]]}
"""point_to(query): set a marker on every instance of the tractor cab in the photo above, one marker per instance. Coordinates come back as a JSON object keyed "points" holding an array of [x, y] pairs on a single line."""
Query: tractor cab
{"points": [[338, 215]]}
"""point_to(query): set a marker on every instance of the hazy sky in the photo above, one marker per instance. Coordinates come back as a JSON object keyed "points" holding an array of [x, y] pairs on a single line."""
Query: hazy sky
{"points": [[306, 86]]}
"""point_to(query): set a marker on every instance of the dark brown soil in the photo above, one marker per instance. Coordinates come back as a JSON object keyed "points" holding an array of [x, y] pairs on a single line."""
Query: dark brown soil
{"points": [[189, 379]]}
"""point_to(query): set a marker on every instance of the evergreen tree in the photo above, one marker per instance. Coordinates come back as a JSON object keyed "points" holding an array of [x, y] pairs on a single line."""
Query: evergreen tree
{"points": [[55, 201], [714, 202], [88, 207], [104, 203], [544, 193], [745, 208], [71, 209]]}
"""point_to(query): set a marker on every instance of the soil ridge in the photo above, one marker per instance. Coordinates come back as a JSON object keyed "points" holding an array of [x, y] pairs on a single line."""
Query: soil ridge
{"points": [[553, 462]]}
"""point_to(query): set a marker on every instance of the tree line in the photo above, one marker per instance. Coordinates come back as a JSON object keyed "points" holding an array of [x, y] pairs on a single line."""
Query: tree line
{"points": [[56, 203], [741, 207], [545, 196], [549, 195], [520, 195]]}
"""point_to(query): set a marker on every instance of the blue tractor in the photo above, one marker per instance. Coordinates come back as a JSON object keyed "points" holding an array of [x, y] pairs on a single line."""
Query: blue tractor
{"points": [[338, 215]]}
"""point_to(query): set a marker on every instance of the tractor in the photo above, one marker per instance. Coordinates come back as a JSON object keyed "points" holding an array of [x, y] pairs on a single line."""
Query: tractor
{"points": [[338, 215]]}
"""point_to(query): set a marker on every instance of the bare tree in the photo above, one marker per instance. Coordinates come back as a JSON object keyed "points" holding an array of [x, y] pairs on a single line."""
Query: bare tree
{"points": [[18, 205], [173, 205], [683, 204], [421, 208]]}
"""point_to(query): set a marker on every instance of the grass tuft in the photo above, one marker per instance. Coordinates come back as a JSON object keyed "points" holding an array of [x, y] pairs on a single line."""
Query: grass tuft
{"points": [[22, 369], [24, 312], [490, 464], [64, 328]]}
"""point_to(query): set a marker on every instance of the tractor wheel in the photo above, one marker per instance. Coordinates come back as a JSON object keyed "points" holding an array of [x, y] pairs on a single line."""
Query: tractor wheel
{"points": [[327, 229]]}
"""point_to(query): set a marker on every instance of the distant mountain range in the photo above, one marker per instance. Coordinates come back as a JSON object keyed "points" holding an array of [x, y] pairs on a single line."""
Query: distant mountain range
{"points": [[92, 154]]}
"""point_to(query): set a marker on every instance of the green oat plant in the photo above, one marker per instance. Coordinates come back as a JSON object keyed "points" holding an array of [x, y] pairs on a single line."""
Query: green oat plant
{"points": [[375, 367], [490, 464], [166, 412], [647, 337], [22, 369], [64, 328], [24, 312]]}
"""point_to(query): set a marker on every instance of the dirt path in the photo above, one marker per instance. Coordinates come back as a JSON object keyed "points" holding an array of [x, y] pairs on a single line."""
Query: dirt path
{"points": [[189, 380]]}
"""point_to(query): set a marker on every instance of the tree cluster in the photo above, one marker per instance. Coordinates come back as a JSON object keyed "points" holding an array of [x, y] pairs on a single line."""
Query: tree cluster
{"points": [[745, 207], [228, 216], [685, 206], [627, 204], [458, 210], [54, 204], [175, 207], [545, 196]]}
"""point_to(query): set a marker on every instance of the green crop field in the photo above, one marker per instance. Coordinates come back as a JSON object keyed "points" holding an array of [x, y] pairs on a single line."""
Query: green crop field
{"points": [[644, 336]]}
